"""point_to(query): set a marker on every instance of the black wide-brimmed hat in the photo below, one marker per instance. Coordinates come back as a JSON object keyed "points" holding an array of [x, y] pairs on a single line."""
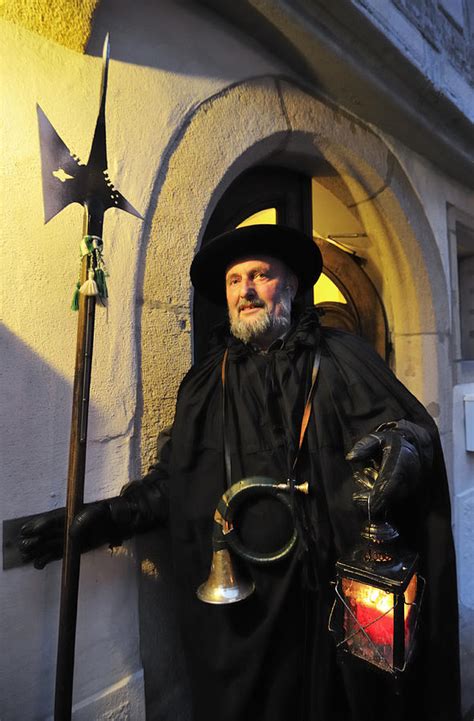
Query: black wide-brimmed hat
{"points": [[297, 250]]}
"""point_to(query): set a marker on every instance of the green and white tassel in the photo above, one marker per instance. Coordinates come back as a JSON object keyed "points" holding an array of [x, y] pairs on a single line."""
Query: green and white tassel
{"points": [[90, 286], [96, 284]]}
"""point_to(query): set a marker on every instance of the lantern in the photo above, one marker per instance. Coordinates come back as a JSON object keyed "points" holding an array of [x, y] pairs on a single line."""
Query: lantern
{"points": [[378, 596]]}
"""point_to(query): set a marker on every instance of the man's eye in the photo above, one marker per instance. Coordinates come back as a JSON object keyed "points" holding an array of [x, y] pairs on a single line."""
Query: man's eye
{"points": [[261, 275]]}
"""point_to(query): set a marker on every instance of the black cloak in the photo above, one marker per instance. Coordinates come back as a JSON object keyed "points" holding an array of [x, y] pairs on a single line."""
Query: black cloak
{"points": [[271, 657]]}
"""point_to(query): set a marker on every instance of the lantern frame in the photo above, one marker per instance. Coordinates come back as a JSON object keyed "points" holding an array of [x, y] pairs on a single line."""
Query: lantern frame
{"points": [[378, 563]]}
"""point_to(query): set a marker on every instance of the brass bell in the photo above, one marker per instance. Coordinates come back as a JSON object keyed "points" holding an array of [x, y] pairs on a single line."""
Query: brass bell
{"points": [[225, 584]]}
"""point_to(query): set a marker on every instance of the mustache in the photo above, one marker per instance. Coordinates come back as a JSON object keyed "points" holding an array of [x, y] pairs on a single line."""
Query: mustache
{"points": [[256, 303]]}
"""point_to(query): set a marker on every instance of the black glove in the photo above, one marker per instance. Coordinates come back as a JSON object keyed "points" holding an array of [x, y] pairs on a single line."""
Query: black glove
{"points": [[42, 539], [388, 465], [139, 508]]}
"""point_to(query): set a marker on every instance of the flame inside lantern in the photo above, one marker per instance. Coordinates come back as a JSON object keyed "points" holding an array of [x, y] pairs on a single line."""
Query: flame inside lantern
{"points": [[371, 609]]}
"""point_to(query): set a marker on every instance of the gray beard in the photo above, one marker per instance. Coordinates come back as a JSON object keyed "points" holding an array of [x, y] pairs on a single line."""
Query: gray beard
{"points": [[252, 332]]}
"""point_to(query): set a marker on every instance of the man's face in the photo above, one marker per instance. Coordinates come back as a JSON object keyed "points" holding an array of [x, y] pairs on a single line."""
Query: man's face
{"points": [[259, 293]]}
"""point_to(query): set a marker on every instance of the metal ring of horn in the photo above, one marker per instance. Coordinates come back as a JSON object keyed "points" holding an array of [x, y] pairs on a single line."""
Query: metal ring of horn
{"points": [[224, 584]]}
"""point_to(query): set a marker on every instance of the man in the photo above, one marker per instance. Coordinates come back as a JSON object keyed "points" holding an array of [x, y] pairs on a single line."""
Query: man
{"points": [[271, 656]]}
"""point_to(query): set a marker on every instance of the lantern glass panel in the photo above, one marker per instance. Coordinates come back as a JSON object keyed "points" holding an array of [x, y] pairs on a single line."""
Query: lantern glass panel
{"points": [[410, 614], [369, 620]]}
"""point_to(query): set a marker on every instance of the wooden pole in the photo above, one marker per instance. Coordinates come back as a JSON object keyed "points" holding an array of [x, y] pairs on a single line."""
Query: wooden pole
{"points": [[93, 222]]}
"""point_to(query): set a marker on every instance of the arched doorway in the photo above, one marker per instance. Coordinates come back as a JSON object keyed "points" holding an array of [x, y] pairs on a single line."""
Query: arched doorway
{"points": [[345, 294]]}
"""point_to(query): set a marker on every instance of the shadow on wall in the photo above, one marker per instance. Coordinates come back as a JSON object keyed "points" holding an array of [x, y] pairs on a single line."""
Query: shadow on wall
{"points": [[34, 438], [151, 35], [34, 435], [34, 441]]}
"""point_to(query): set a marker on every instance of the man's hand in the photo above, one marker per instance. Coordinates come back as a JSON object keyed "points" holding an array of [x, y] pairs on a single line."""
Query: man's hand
{"points": [[42, 539], [141, 506], [387, 465]]}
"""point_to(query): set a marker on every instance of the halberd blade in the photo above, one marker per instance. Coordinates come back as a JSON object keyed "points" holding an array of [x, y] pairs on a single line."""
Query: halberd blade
{"points": [[97, 162], [61, 170], [65, 179]]}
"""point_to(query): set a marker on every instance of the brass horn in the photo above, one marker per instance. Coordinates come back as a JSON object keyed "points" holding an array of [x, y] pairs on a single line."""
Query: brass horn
{"points": [[225, 583]]}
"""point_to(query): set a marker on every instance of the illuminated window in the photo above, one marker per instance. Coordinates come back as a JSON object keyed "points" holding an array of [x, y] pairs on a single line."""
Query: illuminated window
{"points": [[325, 291], [268, 216]]}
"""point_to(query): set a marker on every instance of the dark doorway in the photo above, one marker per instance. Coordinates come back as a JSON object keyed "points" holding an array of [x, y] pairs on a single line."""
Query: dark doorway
{"points": [[283, 196]]}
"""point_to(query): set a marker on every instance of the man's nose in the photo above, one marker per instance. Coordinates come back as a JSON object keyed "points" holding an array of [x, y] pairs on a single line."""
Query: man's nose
{"points": [[247, 288]]}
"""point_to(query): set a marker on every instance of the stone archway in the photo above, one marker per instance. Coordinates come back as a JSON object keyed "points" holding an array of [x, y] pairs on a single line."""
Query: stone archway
{"points": [[270, 120]]}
